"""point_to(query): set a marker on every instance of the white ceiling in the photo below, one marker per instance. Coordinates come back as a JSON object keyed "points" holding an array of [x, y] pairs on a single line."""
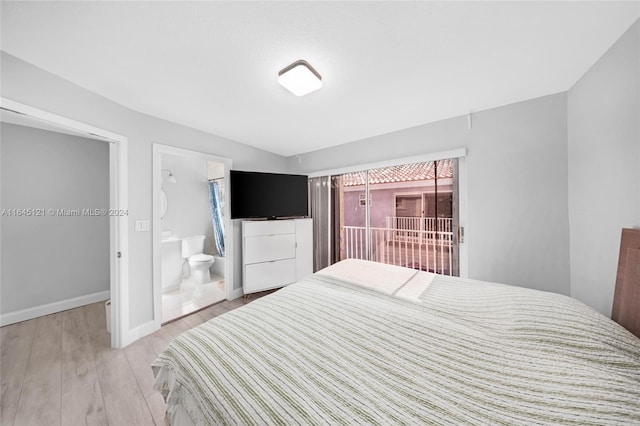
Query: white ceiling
{"points": [[385, 65]]}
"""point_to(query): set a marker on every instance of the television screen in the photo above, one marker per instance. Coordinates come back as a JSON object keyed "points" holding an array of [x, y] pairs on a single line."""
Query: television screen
{"points": [[267, 195]]}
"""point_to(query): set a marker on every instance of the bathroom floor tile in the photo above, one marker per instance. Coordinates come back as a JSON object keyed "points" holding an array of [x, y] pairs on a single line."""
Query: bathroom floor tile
{"points": [[192, 296]]}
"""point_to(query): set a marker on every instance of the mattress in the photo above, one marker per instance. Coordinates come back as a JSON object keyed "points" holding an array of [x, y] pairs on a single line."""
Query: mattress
{"points": [[365, 343]]}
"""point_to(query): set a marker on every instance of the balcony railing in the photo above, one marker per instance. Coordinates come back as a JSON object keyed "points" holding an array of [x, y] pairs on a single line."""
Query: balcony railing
{"points": [[420, 243], [429, 224]]}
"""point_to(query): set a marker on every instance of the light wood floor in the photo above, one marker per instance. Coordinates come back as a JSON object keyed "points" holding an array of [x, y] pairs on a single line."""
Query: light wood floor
{"points": [[60, 369]]}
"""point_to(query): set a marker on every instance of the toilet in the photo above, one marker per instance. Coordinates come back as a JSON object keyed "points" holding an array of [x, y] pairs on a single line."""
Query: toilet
{"points": [[192, 248]]}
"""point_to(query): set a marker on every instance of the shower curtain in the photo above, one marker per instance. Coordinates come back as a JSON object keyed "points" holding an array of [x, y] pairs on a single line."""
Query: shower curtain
{"points": [[216, 216]]}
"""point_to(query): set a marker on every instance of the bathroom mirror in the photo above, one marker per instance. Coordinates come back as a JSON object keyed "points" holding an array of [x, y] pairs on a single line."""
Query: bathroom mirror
{"points": [[163, 204]]}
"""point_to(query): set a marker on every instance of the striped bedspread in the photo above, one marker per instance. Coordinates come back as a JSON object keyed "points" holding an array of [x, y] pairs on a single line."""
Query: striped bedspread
{"points": [[433, 350]]}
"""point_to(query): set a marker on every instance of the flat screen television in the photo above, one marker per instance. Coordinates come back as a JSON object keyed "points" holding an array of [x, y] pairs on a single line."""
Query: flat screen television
{"points": [[267, 195]]}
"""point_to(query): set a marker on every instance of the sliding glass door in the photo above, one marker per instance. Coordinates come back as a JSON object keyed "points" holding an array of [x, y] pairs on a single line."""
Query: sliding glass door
{"points": [[402, 215]]}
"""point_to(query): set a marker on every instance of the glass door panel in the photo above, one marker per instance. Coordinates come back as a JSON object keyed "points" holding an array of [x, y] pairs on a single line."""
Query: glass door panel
{"points": [[441, 208], [402, 215], [398, 235], [352, 191]]}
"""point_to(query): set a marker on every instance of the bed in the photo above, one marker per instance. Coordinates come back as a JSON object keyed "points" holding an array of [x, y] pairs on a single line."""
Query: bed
{"points": [[366, 343]]}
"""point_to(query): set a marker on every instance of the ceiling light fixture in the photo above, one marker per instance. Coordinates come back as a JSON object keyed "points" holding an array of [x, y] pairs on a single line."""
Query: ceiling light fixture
{"points": [[300, 78]]}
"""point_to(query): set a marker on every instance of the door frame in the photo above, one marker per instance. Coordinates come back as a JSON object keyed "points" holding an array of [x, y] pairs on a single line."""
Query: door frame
{"points": [[118, 200], [158, 150]]}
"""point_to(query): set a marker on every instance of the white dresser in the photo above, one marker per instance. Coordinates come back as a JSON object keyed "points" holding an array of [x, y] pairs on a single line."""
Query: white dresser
{"points": [[275, 253]]}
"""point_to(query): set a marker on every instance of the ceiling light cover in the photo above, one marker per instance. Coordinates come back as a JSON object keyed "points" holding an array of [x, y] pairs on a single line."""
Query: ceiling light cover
{"points": [[300, 78]]}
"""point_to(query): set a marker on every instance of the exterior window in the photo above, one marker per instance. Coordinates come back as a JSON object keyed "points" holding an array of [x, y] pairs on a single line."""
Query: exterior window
{"points": [[363, 199], [409, 205]]}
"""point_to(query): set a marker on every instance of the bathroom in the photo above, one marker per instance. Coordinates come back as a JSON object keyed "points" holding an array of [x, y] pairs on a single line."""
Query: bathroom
{"points": [[192, 262]]}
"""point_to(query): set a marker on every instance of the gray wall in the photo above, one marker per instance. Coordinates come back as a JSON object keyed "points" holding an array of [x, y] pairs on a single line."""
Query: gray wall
{"points": [[50, 258], [604, 168], [517, 222], [25, 83]]}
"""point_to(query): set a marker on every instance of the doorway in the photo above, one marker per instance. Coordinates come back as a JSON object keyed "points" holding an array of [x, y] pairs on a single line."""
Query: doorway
{"points": [[192, 233], [117, 223], [405, 214]]}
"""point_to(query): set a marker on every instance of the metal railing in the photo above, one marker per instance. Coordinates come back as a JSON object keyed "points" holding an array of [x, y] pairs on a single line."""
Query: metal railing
{"points": [[428, 249], [414, 224]]}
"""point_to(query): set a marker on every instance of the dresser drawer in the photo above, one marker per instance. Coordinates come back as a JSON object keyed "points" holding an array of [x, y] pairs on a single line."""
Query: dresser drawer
{"points": [[268, 227], [265, 248], [263, 276]]}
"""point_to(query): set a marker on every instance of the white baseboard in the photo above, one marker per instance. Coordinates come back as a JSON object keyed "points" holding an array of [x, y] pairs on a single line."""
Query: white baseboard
{"points": [[236, 292], [139, 331], [52, 308]]}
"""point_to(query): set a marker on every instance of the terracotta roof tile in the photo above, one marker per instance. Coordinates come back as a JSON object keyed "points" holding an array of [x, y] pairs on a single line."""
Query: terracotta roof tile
{"points": [[404, 173]]}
